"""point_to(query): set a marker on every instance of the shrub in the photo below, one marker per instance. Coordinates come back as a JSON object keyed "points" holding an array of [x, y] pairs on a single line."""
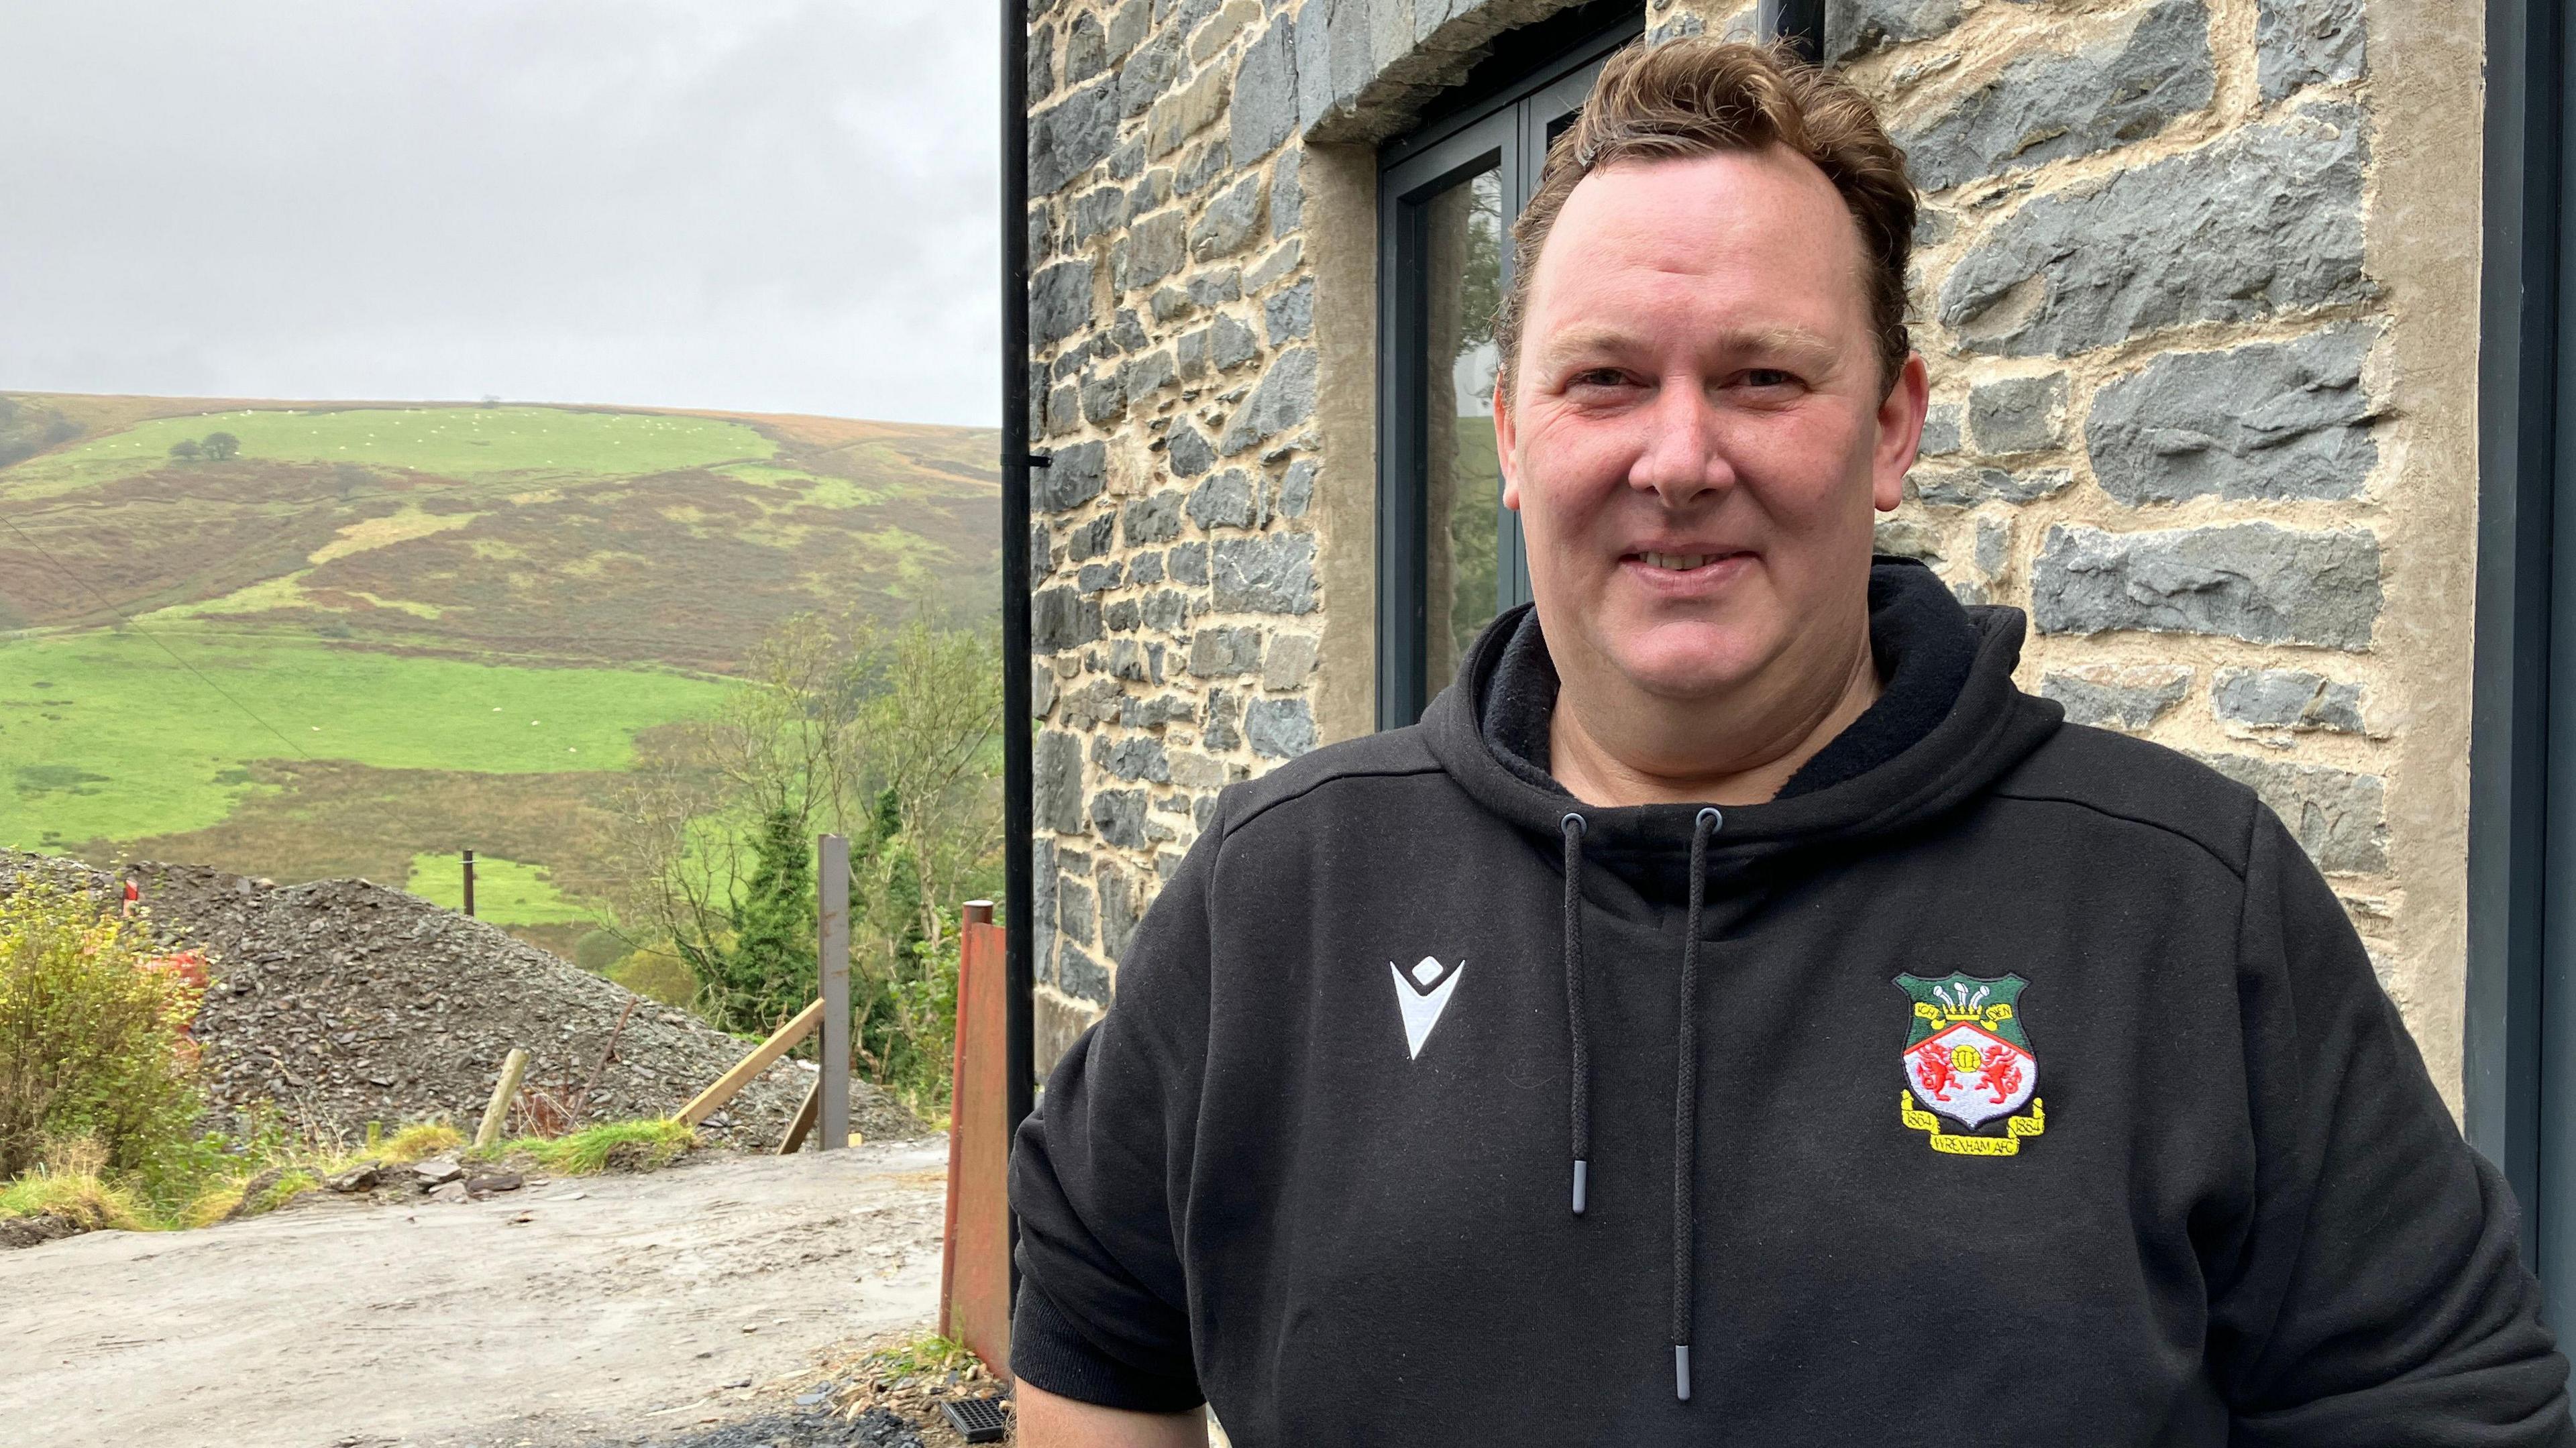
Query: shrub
{"points": [[93, 1037]]}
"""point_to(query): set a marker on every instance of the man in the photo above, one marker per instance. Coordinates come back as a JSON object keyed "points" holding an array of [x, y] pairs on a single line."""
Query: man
{"points": [[1736, 1013]]}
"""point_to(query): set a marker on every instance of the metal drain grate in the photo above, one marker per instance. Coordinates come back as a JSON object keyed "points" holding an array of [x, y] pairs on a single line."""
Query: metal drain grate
{"points": [[978, 1420]]}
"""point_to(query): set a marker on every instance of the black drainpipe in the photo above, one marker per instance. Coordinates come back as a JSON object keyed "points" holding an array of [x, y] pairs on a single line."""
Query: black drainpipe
{"points": [[1018, 807]]}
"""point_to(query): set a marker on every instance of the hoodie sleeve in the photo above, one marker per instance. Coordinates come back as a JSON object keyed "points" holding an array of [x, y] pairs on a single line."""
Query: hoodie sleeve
{"points": [[1101, 1170], [2375, 1295]]}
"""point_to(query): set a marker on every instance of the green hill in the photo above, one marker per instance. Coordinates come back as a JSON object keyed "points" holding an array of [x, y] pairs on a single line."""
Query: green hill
{"points": [[379, 633]]}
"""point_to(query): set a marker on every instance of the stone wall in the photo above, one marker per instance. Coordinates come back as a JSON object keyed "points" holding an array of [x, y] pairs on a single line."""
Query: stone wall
{"points": [[2196, 282]]}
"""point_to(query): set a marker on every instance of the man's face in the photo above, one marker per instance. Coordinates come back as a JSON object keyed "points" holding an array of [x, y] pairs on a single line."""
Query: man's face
{"points": [[1695, 432]]}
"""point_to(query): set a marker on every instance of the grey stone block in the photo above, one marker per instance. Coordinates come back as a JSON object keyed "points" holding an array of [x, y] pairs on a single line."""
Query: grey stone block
{"points": [[1968, 487], [1942, 426], [1121, 615], [1145, 569], [1099, 577], [1209, 288], [1042, 888], [1168, 303], [1060, 618], [1072, 477], [2271, 420], [1290, 660], [1132, 758], [1154, 518], [2264, 221], [2044, 106], [1285, 398], [1075, 914], [1127, 26], [1147, 375], [1224, 501], [1156, 712], [1103, 400], [1189, 354], [1079, 976], [1297, 489], [2339, 818], [1090, 540], [1118, 816], [1270, 573], [1086, 50], [1059, 301], [1291, 314], [1098, 212], [2253, 581], [1150, 251], [2018, 414], [1127, 334], [1188, 564], [2115, 697], [1279, 728], [2286, 699], [1063, 411], [1041, 233], [1230, 221], [1231, 344], [2306, 42], [1288, 194], [1314, 63], [1209, 163], [1280, 261], [1056, 784], [1119, 909], [1189, 453], [1166, 611], [1265, 93], [1854, 28], [1070, 137], [1147, 74], [1223, 653], [1042, 688], [1220, 728]]}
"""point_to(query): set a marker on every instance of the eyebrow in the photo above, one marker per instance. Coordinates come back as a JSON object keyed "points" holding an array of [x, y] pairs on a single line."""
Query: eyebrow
{"points": [[1595, 337]]}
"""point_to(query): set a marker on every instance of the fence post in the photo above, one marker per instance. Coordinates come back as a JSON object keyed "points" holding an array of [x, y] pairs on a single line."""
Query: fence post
{"points": [[834, 1120], [514, 1067], [469, 884]]}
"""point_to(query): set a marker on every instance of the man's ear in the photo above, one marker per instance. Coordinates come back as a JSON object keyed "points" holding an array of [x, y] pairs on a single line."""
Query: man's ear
{"points": [[1900, 432], [1503, 439]]}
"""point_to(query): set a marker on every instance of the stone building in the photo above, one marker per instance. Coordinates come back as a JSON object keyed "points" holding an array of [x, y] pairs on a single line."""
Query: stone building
{"points": [[2198, 282]]}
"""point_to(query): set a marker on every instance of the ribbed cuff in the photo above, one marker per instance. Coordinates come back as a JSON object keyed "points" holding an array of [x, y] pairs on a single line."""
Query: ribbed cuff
{"points": [[1048, 1350]]}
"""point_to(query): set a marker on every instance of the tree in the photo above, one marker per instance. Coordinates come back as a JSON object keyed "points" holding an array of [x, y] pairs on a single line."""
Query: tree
{"points": [[769, 972], [222, 446], [185, 449]]}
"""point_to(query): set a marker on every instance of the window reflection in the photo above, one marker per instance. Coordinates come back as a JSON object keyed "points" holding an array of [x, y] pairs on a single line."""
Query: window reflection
{"points": [[1462, 588]]}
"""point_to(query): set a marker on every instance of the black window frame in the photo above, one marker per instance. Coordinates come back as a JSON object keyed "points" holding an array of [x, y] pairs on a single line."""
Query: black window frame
{"points": [[2519, 1052], [1500, 117]]}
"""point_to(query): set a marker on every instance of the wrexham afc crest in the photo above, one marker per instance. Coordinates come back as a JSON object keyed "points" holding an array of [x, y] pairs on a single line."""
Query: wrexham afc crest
{"points": [[1968, 1058]]}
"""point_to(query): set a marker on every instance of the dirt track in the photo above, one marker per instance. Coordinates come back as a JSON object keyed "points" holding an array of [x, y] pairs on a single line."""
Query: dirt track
{"points": [[622, 1308]]}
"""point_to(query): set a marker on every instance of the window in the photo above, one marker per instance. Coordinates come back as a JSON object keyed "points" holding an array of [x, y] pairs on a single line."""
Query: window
{"points": [[1449, 554]]}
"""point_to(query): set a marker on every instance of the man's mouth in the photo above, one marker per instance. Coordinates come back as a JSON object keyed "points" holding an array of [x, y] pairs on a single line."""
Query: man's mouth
{"points": [[1682, 562]]}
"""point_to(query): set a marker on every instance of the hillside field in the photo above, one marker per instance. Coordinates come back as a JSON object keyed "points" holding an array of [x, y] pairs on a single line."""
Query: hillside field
{"points": [[382, 633]]}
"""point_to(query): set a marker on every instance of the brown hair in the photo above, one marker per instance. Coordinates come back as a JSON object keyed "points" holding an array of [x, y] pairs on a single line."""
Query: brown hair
{"points": [[1699, 97]]}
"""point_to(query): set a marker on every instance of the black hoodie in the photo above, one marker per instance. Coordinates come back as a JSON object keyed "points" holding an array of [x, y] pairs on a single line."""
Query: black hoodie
{"points": [[2003, 1082]]}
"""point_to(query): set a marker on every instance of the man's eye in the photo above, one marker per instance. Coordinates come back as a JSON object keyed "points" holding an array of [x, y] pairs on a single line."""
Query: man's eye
{"points": [[1768, 377], [1597, 377]]}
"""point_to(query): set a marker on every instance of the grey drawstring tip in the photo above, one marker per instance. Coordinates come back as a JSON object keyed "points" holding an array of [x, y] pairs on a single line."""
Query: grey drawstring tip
{"points": [[1582, 1175], [1681, 1371]]}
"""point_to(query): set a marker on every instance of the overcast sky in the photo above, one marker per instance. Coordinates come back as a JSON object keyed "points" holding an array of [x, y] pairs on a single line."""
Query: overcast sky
{"points": [[764, 205]]}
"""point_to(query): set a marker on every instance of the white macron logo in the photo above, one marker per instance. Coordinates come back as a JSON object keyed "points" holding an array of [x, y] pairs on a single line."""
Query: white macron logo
{"points": [[1422, 994]]}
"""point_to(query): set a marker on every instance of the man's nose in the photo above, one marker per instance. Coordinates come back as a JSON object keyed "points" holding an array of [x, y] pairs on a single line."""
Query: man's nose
{"points": [[1683, 452]]}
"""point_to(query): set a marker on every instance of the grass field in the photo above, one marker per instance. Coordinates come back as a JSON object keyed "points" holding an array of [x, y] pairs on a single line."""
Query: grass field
{"points": [[402, 630], [106, 735]]}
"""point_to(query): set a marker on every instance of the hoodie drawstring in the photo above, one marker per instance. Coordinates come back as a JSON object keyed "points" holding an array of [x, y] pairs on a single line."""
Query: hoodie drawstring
{"points": [[1573, 826], [1686, 1105], [1685, 1073]]}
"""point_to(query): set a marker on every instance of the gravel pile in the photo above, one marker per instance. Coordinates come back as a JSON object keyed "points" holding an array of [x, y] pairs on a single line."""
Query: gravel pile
{"points": [[344, 1002]]}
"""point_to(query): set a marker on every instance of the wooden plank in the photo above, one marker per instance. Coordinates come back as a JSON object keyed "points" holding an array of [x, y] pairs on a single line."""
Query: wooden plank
{"points": [[803, 1125], [514, 1068], [834, 900], [975, 1285], [762, 1057]]}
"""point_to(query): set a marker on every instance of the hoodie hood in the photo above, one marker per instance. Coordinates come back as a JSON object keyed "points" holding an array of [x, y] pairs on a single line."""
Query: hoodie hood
{"points": [[1950, 723]]}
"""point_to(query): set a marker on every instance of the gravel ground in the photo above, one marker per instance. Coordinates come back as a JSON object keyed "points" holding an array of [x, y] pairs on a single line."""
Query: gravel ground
{"points": [[686, 1305], [344, 1002]]}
